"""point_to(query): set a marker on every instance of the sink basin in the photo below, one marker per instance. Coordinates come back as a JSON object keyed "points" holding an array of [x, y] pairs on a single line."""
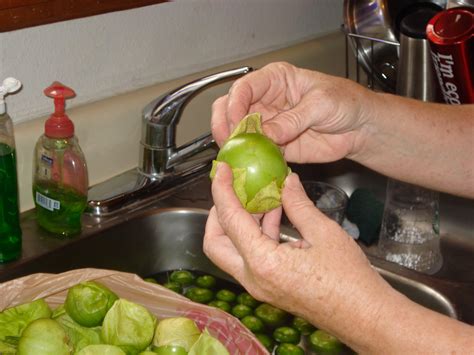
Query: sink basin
{"points": [[166, 234], [171, 238]]}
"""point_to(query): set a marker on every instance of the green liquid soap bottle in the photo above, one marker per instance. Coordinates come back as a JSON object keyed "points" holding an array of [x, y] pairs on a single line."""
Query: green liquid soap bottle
{"points": [[60, 179], [10, 230]]}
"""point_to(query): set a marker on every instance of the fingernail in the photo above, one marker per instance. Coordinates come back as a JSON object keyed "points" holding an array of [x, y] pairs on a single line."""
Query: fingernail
{"points": [[267, 129], [292, 181], [218, 166], [271, 130]]}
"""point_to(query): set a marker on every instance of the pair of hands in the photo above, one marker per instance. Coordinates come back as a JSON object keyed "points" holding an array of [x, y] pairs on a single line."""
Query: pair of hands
{"points": [[326, 278]]}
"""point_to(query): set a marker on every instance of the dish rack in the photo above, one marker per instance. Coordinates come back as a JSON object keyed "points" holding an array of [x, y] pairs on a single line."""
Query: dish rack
{"points": [[355, 41]]}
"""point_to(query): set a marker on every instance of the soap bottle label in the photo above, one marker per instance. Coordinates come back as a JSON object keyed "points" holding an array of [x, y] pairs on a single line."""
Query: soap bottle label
{"points": [[45, 165], [46, 202]]}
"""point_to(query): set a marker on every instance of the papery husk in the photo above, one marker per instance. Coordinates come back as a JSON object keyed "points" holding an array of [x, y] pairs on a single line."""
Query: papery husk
{"points": [[160, 301], [252, 123], [269, 197]]}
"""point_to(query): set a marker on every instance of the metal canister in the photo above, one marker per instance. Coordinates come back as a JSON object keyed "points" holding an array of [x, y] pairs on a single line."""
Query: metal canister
{"points": [[451, 37]]}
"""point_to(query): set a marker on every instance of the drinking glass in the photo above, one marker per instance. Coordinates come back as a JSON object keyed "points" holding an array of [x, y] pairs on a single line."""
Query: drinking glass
{"points": [[409, 234]]}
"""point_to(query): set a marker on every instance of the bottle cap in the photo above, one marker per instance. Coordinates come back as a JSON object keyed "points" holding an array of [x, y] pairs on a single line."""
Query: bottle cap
{"points": [[58, 125], [9, 86], [451, 26]]}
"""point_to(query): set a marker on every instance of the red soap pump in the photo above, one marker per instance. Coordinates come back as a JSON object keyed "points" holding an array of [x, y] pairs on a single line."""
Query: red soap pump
{"points": [[59, 125], [60, 179]]}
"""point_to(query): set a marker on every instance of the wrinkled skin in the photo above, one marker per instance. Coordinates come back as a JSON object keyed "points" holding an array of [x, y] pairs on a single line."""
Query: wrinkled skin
{"points": [[318, 116], [297, 277], [326, 278], [313, 118]]}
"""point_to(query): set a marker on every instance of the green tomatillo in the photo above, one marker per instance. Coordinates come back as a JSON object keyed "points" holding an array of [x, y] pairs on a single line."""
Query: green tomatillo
{"points": [[258, 166], [88, 302]]}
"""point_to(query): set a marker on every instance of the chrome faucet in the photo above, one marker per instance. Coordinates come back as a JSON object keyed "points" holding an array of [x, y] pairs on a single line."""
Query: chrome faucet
{"points": [[160, 119], [162, 164]]}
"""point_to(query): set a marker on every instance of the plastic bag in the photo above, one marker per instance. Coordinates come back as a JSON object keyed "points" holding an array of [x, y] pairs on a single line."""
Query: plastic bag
{"points": [[160, 301]]}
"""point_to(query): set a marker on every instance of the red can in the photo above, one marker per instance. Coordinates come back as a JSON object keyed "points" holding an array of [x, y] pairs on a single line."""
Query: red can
{"points": [[451, 37]]}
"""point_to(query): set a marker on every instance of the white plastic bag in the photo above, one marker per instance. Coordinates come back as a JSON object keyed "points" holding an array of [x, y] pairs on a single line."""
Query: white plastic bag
{"points": [[160, 301]]}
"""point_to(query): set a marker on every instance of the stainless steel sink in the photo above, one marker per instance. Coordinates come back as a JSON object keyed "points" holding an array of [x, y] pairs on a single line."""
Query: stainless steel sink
{"points": [[171, 238], [167, 234]]}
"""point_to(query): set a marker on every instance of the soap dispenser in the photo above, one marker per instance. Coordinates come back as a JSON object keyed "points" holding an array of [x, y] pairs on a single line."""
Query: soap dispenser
{"points": [[10, 230], [60, 179]]}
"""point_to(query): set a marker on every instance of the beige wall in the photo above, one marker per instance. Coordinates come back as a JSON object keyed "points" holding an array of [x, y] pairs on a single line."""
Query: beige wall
{"points": [[110, 54], [109, 130]]}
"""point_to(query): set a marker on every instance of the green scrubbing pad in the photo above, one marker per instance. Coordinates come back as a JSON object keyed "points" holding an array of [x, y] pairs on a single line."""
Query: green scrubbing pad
{"points": [[366, 211]]}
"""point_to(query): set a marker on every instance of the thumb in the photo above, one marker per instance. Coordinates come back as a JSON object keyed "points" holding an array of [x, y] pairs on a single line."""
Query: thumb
{"points": [[288, 125], [239, 225], [300, 210]]}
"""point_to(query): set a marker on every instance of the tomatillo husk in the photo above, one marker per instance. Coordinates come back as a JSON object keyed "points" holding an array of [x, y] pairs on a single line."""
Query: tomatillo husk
{"points": [[258, 166]]}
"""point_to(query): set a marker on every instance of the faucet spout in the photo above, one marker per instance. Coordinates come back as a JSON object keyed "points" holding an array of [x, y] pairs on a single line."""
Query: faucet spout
{"points": [[161, 117]]}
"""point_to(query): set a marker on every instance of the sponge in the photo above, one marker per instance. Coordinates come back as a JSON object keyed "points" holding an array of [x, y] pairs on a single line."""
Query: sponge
{"points": [[366, 211]]}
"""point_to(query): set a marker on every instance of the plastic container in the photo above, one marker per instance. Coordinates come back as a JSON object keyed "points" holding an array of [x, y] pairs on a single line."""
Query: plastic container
{"points": [[10, 230], [60, 179]]}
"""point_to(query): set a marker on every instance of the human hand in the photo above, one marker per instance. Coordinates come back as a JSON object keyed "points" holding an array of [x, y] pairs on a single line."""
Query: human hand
{"points": [[325, 278], [313, 116]]}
